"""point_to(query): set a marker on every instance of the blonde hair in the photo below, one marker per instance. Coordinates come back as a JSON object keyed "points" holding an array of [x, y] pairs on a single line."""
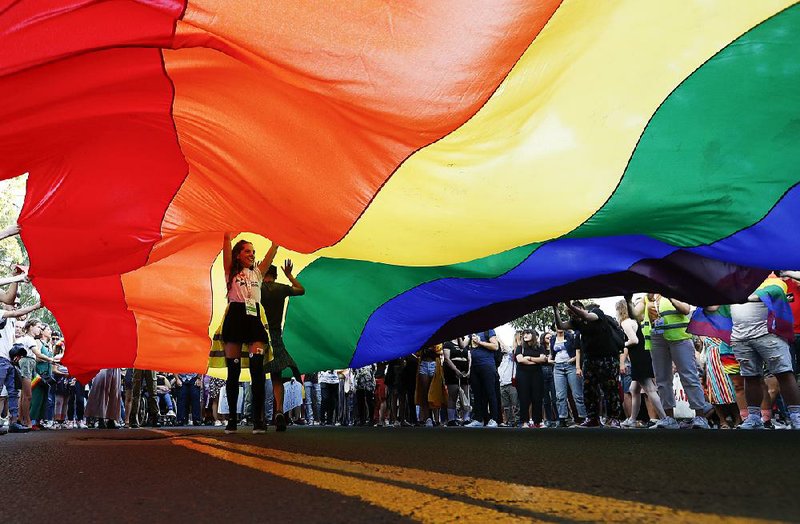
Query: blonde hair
{"points": [[622, 310]]}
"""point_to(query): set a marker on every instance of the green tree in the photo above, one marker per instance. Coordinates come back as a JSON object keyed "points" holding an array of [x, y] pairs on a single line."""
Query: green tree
{"points": [[540, 320], [12, 250]]}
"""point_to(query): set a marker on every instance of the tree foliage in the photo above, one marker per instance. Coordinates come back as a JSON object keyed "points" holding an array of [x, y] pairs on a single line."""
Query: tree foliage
{"points": [[540, 320], [12, 250]]}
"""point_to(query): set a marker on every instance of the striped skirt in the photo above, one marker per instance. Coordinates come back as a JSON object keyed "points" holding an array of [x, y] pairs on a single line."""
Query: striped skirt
{"points": [[719, 386]]}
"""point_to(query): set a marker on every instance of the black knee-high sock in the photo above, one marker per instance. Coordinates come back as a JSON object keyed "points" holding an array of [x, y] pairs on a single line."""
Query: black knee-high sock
{"points": [[258, 383], [232, 387]]}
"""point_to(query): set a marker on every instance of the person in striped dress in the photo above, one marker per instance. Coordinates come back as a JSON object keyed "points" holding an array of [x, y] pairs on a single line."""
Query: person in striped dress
{"points": [[719, 386]]}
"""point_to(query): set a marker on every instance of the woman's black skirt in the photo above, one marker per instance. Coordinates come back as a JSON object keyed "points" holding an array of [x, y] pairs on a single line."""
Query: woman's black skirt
{"points": [[241, 328]]}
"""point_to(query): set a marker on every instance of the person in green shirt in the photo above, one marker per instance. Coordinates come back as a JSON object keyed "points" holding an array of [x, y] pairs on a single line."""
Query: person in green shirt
{"points": [[273, 299]]}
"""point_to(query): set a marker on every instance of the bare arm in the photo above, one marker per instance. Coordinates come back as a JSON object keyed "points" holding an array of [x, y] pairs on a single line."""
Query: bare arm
{"points": [[268, 258], [492, 345], [623, 357], [12, 280], [10, 231], [448, 362], [630, 332], [791, 274], [578, 369], [637, 309], [560, 324], [22, 311], [681, 307], [297, 287], [41, 357], [585, 315], [10, 295]]}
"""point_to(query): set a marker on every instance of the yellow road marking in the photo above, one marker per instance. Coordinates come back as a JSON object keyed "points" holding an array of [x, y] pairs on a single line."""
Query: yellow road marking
{"points": [[426, 507], [410, 503]]}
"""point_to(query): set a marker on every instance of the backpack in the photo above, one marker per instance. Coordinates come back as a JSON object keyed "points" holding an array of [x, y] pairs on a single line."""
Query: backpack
{"points": [[618, 336]]}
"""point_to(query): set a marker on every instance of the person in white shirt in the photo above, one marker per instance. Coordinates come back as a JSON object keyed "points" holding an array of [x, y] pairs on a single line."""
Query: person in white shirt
{"points": [[245, 324], [508, 390]]}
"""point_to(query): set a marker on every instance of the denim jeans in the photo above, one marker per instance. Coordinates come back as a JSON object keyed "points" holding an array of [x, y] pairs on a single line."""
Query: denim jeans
{"points": [[312, 402], [167, 401], [566, 380], [7, 374], [189, 392]]}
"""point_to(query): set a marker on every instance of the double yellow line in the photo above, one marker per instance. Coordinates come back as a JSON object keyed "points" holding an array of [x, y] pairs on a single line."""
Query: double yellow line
{"points": [[428, 496]]}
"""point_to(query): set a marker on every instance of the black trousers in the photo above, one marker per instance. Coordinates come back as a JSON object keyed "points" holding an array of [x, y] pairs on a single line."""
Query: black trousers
{"points": [[530, 388], [482, 379]]}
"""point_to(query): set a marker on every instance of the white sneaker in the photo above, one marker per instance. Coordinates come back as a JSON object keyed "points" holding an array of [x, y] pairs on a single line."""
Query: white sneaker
{"points": [[3, 422], [751, 422], [628, 424], [171, 413], [794, 421], [429, 423], [700, 423], [218, 423], [491, 424], [475, 424], [666, 423]]}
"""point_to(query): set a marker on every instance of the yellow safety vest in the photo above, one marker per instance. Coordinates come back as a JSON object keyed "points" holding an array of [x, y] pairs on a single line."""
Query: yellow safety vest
{"points": [[674, 323]]}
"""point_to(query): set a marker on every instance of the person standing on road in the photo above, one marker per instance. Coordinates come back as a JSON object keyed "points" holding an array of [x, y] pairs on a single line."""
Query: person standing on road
{"points": [[664, 323], [598, 362], [761, 329], [483, 376], [457, 363], [245, 324], [564, 348], [273, 299], [642, 375]]}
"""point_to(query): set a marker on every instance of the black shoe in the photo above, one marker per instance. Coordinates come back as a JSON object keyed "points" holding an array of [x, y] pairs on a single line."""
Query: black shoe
{"points": [[156, 424], [111, 425], [280, 422], [231, 426], [16, 427]]}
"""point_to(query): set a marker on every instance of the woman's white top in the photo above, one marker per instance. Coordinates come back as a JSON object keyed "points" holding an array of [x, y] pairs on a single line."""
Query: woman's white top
{"points": [[246, 285]]}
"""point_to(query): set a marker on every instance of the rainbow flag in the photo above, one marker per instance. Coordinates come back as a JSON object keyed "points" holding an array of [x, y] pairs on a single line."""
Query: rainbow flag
{"points": [[433, 168], [780, 318], [719, 324], [714, 324]]}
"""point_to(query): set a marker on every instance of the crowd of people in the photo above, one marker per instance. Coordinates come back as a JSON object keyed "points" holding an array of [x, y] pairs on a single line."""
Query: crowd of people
{"points": [[589, 369]]}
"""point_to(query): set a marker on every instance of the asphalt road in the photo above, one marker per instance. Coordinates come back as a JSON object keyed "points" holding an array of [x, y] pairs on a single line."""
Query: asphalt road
{"points": [[387, 475]]}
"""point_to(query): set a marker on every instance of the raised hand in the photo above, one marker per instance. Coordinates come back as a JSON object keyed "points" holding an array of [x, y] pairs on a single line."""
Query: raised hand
{"points": [[287, 267]]}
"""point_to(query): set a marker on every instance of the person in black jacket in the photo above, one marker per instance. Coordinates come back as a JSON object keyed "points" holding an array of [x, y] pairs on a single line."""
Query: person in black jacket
{"points": [[597, 363]]}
